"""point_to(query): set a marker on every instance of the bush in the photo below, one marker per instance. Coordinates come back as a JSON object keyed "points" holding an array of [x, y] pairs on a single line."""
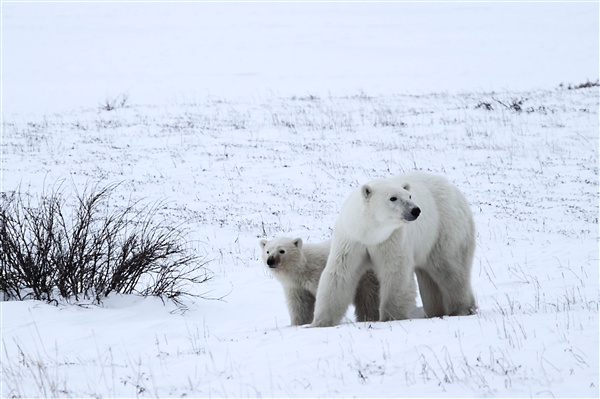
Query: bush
{"points": [[47, 253], [585, 85]]}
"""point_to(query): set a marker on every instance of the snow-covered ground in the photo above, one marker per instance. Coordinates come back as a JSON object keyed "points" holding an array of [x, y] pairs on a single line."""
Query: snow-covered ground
{"points": [[238, 171], [276, 153]]}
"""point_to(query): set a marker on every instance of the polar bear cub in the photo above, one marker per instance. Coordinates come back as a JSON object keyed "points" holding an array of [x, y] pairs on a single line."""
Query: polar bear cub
{"points": [[412, 223], [298, 267]]}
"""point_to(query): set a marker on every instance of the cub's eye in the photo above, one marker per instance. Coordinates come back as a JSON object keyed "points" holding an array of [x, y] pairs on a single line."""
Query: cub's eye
{"points": [[267, 252], [410, 197], [393, 199], [281, 251]]}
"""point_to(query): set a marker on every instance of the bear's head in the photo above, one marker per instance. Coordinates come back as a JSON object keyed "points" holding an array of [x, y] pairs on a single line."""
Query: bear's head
{"points": [[281, 253], [390, 203]]}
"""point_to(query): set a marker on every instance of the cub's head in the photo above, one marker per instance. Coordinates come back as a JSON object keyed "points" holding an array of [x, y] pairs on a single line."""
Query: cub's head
{"points": [[389, 202], [281, 253]]}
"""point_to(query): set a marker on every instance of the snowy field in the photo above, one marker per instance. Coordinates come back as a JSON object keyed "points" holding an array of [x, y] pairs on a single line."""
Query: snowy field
{"points": [[268, 154]]}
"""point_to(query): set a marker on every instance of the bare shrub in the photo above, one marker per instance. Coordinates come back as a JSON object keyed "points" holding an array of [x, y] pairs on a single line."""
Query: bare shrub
{"points": [[585, 85], [90, 249], [110, 104]]}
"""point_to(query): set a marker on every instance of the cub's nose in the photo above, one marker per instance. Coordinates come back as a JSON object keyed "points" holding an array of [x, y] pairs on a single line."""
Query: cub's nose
{"points": [[271, 262], [415, 212]]}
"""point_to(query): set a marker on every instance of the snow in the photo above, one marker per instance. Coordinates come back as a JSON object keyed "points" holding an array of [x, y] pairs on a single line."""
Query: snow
{"points": [[256, 120]]}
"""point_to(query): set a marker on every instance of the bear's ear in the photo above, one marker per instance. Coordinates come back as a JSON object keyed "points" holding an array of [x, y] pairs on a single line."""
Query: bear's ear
{"points": [[263, 242], [406, 186], [367, 191], [298, 243]]}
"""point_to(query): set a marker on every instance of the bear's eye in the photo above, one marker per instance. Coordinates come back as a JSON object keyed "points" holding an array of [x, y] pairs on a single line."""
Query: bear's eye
{"points": [[410, 197], [267, 252], [281, 251], [393, 199]]}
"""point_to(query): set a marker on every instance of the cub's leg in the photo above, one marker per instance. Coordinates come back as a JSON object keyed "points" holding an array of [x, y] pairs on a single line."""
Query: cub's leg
{"points": [[301, 305]]}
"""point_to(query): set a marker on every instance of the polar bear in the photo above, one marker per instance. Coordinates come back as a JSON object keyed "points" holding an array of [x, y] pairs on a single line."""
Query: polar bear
{"points": [[298, 267], [415, 222]]}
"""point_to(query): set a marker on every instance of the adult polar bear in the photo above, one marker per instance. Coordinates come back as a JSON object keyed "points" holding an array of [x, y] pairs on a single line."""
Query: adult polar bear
{"points": [[415, 222]]}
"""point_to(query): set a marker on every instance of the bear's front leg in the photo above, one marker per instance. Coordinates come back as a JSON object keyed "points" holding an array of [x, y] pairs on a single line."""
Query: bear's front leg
{"points": [[337, 284], [366, 299], [394, 271]]}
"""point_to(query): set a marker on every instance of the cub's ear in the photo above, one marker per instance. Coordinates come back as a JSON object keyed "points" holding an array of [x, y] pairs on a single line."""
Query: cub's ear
{"points": [[263, 242], [367, 191], [298, 243], [406, 186]]}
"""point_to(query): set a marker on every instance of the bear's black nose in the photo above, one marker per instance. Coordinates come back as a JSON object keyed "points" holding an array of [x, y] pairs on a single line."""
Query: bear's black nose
{"points": [[415, 212], [271, 262]]}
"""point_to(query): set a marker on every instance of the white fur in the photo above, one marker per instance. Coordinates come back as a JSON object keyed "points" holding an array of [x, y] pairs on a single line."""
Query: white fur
{"points": [[301, 263], [298, 267], [374, 231]]}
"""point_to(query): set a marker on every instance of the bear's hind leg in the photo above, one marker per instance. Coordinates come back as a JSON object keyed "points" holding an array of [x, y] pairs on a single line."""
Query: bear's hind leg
{"points": [[459, 262], [366, 299], [455, 285], [461, 301], [459, 298], [433, 300], [453, 273]]}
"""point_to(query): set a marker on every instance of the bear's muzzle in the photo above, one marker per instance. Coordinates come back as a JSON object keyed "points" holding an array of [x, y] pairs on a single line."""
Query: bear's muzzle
{"points": [[412, 215], [416, 211], [272, 261]]}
